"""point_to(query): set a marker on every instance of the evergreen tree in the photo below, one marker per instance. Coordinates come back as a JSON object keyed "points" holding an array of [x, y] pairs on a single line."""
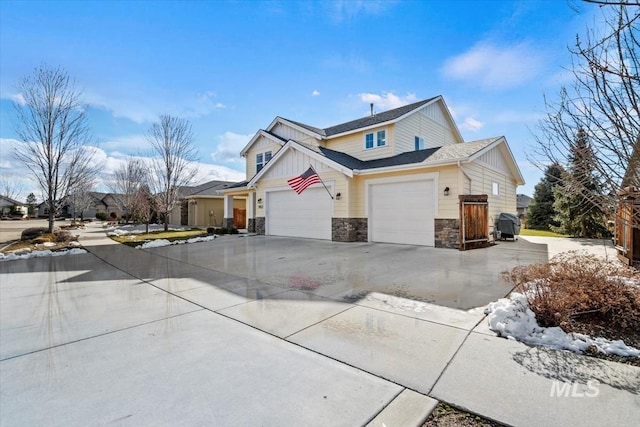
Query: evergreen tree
{"points": [[578, 203], [32, 201], [541, 213]]}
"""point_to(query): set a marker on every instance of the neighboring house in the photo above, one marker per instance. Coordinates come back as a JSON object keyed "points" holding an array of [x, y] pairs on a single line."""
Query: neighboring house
{"points": [[393, 177], [522, 204], [203, 206], [9, 205], [100, 202]]}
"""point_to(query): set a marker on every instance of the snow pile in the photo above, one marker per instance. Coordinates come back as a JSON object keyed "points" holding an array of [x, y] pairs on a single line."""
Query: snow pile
{"points": [[512, 318], [124, 230], [164, 242], [39, 254]]}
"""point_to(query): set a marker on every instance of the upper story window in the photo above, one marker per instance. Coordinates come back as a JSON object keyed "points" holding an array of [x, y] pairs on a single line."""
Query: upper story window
{"points": [[375, 139], [495, 188], [262, 159], [419, 143]]}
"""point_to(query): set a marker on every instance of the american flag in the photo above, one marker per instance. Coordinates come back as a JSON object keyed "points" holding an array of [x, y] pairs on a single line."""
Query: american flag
{"points": [[300, 183]]}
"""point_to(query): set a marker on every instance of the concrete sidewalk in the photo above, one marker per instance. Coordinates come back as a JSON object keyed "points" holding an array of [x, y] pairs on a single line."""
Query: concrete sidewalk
{"points": [[146, 337]]}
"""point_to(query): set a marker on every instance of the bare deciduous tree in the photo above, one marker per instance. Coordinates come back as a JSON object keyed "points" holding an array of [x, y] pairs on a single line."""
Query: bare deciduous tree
{"points": [[52, 126], [128, 179], [143, 205], [173, 154], [81, 199], [604, 103], [10, 187]]}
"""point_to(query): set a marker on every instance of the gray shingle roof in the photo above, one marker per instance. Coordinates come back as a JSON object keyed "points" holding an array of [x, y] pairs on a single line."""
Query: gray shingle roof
{"points": [[460, 151], [207, 189], [364, 122], [398, 160]]}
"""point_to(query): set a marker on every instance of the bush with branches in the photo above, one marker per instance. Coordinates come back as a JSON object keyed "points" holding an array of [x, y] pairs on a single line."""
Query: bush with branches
{"points": [[583, 293]]}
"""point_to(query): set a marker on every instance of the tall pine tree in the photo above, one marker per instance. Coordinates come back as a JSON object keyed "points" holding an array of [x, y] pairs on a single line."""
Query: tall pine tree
{"points": [[541, 214], [578, 202]]}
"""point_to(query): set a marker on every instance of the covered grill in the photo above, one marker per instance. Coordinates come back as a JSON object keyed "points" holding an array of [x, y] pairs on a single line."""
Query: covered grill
{"points": [[508, 226]]}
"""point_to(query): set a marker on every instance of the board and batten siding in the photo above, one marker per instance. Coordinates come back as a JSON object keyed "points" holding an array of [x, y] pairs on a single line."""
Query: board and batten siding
{"points": [[292, 164], [353, 144], [287, 132], [260, 146], [430, 123]]}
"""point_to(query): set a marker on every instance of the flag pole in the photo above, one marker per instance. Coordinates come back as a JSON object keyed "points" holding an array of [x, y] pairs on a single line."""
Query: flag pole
{"points": [[325, 187]]}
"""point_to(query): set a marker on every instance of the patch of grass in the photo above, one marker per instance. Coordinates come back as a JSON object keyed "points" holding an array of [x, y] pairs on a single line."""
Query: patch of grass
{"points": [[583, 293], [447, 416], [171, 235], [540, 233]]}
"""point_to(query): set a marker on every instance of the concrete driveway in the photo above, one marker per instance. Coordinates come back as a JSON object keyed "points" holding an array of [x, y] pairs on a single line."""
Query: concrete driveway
{"points": [[252, 331]]}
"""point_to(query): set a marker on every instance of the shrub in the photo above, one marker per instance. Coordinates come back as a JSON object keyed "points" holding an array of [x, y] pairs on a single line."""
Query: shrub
{"points": [[101, 216], [232, 230], [63, 237], [583, 293], [113, 216], [211, 230], [32, 233], [44, 238]]}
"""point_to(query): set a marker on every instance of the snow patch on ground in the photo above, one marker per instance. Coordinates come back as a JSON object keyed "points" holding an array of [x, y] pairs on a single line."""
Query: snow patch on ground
{"points": [[163, 242], [512, 318], [39, 254], [124, 230]]}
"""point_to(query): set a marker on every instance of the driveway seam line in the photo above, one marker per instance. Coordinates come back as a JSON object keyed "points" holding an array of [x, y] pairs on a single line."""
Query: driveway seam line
{"points": [[384, 407], [99, 335], [318, 322]]}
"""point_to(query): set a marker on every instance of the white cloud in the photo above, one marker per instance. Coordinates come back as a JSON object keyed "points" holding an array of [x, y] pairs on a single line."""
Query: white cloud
{"points": [[229, 146], [315, 93], [126, 143], [107, 163], [387, 101], [471, 124], [209, 172], [495, 67], [19, 98]]}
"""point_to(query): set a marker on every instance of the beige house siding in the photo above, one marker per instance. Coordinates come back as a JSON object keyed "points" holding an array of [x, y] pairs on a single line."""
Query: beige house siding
{"points": [[287, 132], [430, 124], [482, 179], [262, 145], [209, 212], [353, 144]]}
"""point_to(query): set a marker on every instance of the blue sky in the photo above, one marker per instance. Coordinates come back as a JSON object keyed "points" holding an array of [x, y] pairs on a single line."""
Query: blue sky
{"points": [[230, 67]]}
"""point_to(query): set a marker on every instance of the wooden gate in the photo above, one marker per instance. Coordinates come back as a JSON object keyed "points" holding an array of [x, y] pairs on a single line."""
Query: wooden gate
{"points": [[474, 221], [627, 238]]}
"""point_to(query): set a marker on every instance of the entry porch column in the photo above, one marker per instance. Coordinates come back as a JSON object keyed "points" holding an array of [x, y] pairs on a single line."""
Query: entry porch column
{"points": [[227, 220]]}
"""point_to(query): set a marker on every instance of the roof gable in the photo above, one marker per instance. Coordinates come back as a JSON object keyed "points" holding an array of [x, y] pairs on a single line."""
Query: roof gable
{"points": [[375, 119], [261, 134]]}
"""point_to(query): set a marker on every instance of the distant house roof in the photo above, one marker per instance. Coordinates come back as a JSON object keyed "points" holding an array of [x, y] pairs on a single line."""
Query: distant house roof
{"points": [[210, 188], [523, 201], [7, 201]]}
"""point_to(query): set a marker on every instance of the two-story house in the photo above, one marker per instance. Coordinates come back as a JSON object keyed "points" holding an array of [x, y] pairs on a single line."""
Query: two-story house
{"points": [[392, 176]]}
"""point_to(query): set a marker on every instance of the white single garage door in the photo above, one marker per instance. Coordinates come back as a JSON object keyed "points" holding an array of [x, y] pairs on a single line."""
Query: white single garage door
{"points": [[299, 215], [402, 212]]}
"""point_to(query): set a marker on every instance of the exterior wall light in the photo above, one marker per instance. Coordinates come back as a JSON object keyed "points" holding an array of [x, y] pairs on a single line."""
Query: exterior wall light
{"points": [[446, 191], [338, 196]]}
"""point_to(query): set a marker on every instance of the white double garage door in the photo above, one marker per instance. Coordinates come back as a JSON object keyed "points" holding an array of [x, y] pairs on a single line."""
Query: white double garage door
{"points": [[399, 211]]}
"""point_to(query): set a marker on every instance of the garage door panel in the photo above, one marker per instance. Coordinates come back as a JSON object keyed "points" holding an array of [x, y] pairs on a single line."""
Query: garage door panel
{"points": [[403, 212], [299, 215]]}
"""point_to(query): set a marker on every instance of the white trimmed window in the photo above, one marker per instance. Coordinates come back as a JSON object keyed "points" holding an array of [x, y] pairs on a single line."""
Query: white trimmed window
{"points": [[262, 159], [375, 139], [496, 189], [419, 143]]}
